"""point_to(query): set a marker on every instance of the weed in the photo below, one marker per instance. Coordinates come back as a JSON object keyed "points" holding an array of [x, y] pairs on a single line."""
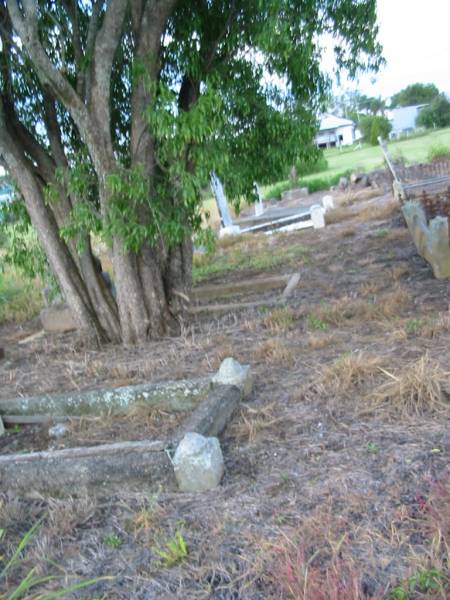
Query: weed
{"points": [[274, 352], [412, 326], [372, 448], [254, 421], [381, 233], [424, 581], [438, 152], [174, 552], [316, 323], [113, 540], [33, 581], [350, 370], [319, 341], [280, 318], [20, 297]]}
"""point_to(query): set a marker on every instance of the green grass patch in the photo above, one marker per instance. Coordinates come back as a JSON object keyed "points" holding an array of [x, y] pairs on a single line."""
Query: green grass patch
{"points": [[20, 298], [241, 257]]}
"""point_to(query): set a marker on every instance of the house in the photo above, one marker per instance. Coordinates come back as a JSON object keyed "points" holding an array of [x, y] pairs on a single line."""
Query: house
{"points": [[336, 131], [403, 119]]}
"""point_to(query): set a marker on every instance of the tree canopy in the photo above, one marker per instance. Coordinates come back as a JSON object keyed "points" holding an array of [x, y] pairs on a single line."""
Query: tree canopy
{"points": [[113, 113], [436, 114], [416, 93]]}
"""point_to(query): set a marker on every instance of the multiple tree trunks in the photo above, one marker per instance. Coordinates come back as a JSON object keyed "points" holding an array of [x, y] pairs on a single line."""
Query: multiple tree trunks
{"points": [[146, 306], [126, 466]]}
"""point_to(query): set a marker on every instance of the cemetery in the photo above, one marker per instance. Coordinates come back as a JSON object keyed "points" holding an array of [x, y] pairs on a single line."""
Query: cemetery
{"points": [[368, 428]]}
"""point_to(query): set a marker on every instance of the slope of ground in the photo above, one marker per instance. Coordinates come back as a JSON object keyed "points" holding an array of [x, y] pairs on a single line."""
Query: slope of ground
{"points": [[336, 481]]}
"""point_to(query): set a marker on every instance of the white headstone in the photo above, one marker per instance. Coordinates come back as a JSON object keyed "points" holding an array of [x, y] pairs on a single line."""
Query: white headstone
{"points": [[219, 194], [328, 202], [259, 205], [317, 216]]}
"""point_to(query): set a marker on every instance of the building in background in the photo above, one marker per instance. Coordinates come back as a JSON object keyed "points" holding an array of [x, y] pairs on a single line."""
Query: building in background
{"points": [[336, 131], [403, 119]]}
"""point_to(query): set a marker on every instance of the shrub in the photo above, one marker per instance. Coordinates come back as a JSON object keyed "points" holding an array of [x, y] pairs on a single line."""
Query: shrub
{"points": [[372, 126], [438, 151]]}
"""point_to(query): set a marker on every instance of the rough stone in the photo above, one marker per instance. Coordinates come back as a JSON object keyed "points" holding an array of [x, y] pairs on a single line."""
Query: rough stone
{"points": [[231, 372], [198, 463], [57, 319], [343, 183], [2, 427], [57, 431]]}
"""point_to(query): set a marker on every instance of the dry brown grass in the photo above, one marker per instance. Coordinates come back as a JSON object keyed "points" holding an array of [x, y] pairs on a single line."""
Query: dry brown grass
{"points": [[64, 516], [254, 421], [279, 319], [274, 351], [353, 196], [350, 371], [421, 387], [348, 232], [339, 214], [318, 341], [433, 328], [379, 212], [400, 270]]}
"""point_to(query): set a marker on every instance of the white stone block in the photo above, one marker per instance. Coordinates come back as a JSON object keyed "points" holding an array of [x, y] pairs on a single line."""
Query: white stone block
{"points": [[198, 463], [328, 202], [231, 372], [231, 230], [318, 216]]}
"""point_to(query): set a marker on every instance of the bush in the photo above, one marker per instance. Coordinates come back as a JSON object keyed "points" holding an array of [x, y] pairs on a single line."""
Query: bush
{"points": [[437, 114], [309, 168], [438, 151], [372, 126]]}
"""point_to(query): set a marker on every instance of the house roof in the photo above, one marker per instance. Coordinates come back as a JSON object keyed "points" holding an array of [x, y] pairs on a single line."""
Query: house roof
{"points": [[332, 122]]}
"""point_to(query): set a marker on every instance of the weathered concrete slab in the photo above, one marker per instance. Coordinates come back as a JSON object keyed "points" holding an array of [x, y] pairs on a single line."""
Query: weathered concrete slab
{"points": [[257, 284], [142, 466], [174, 395], [431, 240]]}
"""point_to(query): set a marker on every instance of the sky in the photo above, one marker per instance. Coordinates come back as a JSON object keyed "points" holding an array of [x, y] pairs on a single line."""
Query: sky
{"points": [[415, 35]]}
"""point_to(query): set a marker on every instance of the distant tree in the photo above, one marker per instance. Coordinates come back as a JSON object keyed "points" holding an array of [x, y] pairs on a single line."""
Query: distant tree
{"points": [[372, 126], [437, 114], [417, 93]]}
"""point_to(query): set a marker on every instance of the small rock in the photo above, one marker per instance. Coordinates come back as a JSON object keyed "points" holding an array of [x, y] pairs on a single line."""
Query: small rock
{"points": [[198, 463], [231, 372], [355, 177], [2, 427], [57, 431], [57, 319]]}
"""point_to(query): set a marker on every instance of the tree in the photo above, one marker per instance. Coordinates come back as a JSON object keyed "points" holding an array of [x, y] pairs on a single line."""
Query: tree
{"points": [[113, 113], [436, 114], [417, 93], [373, 126]]}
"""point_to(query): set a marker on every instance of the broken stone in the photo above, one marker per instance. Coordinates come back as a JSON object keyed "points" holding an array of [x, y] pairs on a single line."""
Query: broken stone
{"points": [[2, 427], [231, 372], [57, 319], [57, 431], [292, 284], [198, 463]]}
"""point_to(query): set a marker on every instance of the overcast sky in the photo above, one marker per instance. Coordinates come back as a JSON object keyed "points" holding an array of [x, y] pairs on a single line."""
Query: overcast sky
{"points": [[415, 35]]}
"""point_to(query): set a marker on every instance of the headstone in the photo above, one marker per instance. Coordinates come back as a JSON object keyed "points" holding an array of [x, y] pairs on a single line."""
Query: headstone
{"points": [[291, 285], [259, 204], [219, 194], [317, 216], [231, 372], [2, 427], [328, 202], [57, 319], [343, 183], [198, 463]]}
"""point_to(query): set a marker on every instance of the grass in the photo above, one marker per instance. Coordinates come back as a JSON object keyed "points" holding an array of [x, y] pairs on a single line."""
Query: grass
{"points": [[418, 389], [253, 255], [20, 298]]}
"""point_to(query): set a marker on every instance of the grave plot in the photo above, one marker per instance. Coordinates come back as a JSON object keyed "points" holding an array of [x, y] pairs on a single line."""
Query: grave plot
{"points": [[101, 441]]}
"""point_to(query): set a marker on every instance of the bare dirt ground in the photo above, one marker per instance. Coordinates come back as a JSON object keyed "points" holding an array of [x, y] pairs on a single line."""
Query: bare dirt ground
{"points": [[336, 483]]}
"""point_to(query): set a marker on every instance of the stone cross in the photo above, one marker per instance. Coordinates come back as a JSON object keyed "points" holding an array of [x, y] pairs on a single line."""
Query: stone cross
{"points": [[219, 194]]}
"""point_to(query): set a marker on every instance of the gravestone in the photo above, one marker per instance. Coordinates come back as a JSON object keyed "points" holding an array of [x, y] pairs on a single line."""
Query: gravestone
{"points": [[317, 216], [259, 205]]}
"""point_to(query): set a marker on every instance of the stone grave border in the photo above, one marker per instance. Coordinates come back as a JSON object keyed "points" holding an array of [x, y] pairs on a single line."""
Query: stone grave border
{"points": [[143, 466]]}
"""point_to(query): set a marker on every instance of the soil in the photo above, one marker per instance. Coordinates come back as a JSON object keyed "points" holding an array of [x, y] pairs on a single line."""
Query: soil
{"points": [[323, 489]]}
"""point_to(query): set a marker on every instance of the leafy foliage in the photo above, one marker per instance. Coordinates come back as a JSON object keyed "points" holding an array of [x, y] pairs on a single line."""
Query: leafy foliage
{"points": [[416, 93], [436, 114], [373, 126]]}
